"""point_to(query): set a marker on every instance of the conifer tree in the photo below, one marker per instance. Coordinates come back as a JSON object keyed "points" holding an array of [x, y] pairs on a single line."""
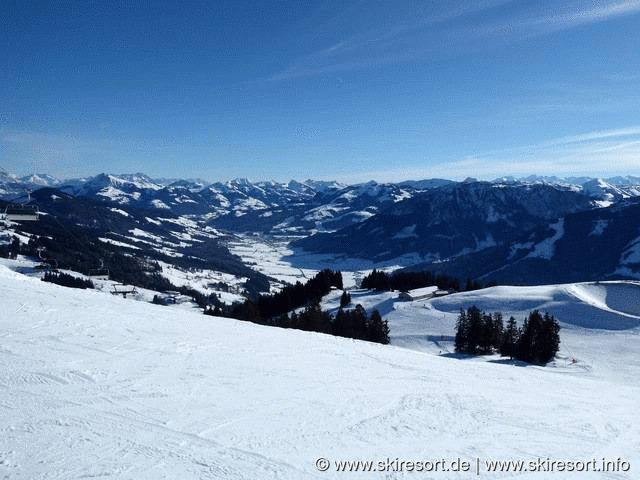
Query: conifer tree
{"points": [[540, 340], [497, 331], [537, 342], [377, 329], [510, 339], [550, 339], [345, 299], [283, 321], [486, 334], [462, 332], [474, 316]]}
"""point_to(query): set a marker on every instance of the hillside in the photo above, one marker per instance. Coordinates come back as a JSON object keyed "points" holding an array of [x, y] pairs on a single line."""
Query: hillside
{"points": [[606, 314], [452, 220], [97, 386], [584, 246]]}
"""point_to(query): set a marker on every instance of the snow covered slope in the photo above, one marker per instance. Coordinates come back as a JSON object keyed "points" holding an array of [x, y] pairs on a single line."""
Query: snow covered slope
{"points": [[97, 386], [607, 310]]}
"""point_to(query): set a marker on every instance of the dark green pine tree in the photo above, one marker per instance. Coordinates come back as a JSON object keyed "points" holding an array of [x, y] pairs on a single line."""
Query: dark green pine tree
{"points": [[486, 333], [525, 341], [549, 343], [283, 321], [359, 322], [474, 316], [469, 285], [377, 329], [313, 319], [497, 332], [539, 341], [510, 339], [248, 310], [294, 322], [462, 333], [345, 299]]}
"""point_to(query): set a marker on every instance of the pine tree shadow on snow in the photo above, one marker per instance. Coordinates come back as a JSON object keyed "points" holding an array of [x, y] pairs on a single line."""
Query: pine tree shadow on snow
{"points": [[501, 361], [514, 362]]}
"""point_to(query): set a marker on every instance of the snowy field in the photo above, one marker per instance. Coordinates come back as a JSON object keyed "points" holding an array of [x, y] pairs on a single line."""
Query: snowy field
{"points": [[273, 257], [97, 386]]}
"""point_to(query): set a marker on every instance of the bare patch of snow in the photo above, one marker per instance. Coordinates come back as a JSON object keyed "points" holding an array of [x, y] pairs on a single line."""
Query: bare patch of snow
{"points": [[599, 227], [117, 243], [546, 248], [406, 232], [119, 211], [160, 204]]}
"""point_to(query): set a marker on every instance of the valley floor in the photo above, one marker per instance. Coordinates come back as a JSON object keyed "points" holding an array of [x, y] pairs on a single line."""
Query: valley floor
{"points": [[93, 385]]}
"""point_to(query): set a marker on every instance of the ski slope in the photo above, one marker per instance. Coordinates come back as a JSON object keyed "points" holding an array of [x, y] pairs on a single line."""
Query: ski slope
{"points": [[597, 319], [96, 386]]}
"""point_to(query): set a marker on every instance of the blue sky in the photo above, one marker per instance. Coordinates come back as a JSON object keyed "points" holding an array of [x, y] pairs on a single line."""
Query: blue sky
{"points": [[347, 90]]}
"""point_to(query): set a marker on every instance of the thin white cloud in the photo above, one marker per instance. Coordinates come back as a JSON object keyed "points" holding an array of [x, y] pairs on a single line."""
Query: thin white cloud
{"points": [[623, 77], [411, 34], [434, 30], [601, 153], [599, 135], [596, 14], [563, 17]]}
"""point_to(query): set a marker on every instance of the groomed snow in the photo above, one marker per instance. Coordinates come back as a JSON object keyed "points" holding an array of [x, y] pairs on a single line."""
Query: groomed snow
{"points": [[97, 386]]}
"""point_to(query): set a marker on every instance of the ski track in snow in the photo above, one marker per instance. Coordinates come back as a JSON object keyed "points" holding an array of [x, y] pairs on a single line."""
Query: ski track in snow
{"points": [[97, 386]]}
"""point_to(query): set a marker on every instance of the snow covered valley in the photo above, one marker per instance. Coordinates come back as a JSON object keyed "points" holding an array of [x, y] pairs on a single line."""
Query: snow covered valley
{"points": [[96, 386]]}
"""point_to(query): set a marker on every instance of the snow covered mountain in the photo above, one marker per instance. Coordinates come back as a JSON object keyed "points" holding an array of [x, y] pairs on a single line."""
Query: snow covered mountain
{"points": [[85, 234], [11, 186], [40, 180], [508, 234], [594, 244], [291, 208], [122, 189], [328, 209], [472, 226], [294, 208], [604, 190], [450, 221]]}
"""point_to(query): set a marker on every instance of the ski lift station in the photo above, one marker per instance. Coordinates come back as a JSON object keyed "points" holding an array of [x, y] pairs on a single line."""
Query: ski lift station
{"points": [[21, 212]]}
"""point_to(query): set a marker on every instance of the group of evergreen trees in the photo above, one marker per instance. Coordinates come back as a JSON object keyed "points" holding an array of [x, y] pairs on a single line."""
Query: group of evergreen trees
{"points": [[265, 308], [346, 323], [298, 295], [404, 281], [67, 280], [537, 341], [274, 310]]}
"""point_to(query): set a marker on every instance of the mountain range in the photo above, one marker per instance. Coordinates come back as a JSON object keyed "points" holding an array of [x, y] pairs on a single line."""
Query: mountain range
{"points": [[520, 231]]}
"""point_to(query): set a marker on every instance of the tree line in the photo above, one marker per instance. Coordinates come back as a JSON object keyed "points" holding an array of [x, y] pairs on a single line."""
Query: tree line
{"points": [[274, 310], [67, 280], [537, 341], [298, 295], [264, 308], [404, 281], [353, 323]]}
